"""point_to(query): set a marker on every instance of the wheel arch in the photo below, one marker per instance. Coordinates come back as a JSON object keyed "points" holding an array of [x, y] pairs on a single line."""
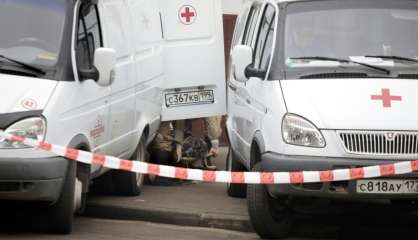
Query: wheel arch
{"points": [[145, 133], [80, 142], [257, 148], [143, 129]]}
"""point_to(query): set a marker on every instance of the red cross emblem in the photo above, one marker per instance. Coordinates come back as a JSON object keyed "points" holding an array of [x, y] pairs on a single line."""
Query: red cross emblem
{"points": [[187, 15], [386, 98], [29, 104]]}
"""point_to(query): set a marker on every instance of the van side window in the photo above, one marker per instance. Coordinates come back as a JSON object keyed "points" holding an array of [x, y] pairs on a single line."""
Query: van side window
{"points": [[89, 36], [265, 38], [239, 28], [250, 26]]}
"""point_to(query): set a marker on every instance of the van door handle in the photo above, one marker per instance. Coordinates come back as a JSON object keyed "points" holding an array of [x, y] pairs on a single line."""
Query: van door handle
{"points": [[232, 87], [248, 101]]}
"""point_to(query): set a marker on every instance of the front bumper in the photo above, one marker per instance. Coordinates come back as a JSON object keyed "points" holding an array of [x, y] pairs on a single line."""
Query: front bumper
{"points": [[32, 179], [345, 190]]}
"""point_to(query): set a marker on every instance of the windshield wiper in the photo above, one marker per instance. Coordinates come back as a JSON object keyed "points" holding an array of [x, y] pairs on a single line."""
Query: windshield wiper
{"points": [[344, 61], [25, 65], [393, 58]]}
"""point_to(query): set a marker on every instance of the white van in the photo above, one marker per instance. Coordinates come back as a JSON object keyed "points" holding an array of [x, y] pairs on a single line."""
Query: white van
{"points": [[321, 85], [194, 85], [90, 74]]}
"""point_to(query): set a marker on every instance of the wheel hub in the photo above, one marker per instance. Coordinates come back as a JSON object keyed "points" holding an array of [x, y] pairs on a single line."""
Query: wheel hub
{"points": [[78, 195], [140, 158]]}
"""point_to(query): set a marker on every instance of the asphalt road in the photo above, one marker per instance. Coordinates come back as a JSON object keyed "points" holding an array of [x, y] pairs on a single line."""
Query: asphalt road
{"points": [[95, 229], [375, 226], [350, 222], [372, 224]]}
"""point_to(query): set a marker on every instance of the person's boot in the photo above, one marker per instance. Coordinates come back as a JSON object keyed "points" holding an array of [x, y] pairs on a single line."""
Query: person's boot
{"points": [[208, 165]]}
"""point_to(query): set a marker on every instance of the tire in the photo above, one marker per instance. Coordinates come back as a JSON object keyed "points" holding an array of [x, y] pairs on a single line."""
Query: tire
{"points": [[151, 180], [83, 202], [160, 157], [103, 185], [271, 218], [408, 205], [61, 214], [235, 190], [127, 183]]}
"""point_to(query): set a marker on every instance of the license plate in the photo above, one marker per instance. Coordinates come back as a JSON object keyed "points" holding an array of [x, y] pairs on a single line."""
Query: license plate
{"points": [[387, 186], [189, 98]]}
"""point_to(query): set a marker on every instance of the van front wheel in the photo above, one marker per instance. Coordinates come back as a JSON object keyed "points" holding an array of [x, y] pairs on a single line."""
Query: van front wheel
{"points": [[235, 190], [127, 183], [61, 214], [271, 218]]}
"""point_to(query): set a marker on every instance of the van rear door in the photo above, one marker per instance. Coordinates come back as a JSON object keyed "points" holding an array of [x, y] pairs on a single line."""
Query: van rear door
{"points": [[194, 86]]}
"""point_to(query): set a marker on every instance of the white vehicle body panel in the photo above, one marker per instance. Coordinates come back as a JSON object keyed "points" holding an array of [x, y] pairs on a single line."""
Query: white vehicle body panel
{"points": [[24, 93], [256, 108], [306, 96], [352, 98], [194, 55], [132, 101]]}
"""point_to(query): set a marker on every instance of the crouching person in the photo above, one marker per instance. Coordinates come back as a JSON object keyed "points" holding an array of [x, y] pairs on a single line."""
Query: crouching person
{"points": [[166, 147], [170, 148], [205, 145], [213, 132]]}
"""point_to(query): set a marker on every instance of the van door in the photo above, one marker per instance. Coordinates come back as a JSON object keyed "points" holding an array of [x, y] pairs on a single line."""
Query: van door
{"points": [[149, 62], [239, 95], [88, 100], [255, 86], [117, 34], [194, 85]]}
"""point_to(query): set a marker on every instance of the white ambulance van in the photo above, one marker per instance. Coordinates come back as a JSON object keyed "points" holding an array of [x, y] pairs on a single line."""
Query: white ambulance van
{"points": [[89, 74], [194, 85], [321, 85]]}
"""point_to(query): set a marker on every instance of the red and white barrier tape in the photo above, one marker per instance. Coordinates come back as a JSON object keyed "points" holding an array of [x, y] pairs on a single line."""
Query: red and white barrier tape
{"points": [[221, 176]]}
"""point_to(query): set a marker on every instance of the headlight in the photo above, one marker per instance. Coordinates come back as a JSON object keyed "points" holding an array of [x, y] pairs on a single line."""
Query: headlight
{"points": [[299, 131], [34, 128]]}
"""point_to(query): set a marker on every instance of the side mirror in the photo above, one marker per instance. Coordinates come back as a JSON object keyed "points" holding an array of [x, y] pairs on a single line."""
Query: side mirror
{"points": [[86, 74], [242, 57], [254, 72], [105, 62]]}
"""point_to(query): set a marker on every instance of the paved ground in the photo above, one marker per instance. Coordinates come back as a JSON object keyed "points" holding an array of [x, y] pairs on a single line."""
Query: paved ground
{"points": [[204, 205], [207, 205], [99, 229], [379, 226], [189, 204]]}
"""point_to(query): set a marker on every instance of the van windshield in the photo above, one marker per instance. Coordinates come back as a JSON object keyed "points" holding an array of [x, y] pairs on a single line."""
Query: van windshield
{"points": [[31, 30], [380, 33]]}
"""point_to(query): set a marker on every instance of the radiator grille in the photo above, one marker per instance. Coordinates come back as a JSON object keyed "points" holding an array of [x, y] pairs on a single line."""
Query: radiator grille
{"points": [[380, 143]]}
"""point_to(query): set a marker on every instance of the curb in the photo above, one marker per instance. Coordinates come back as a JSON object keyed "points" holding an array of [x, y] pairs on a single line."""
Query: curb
{"points": [[170, 216]]}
